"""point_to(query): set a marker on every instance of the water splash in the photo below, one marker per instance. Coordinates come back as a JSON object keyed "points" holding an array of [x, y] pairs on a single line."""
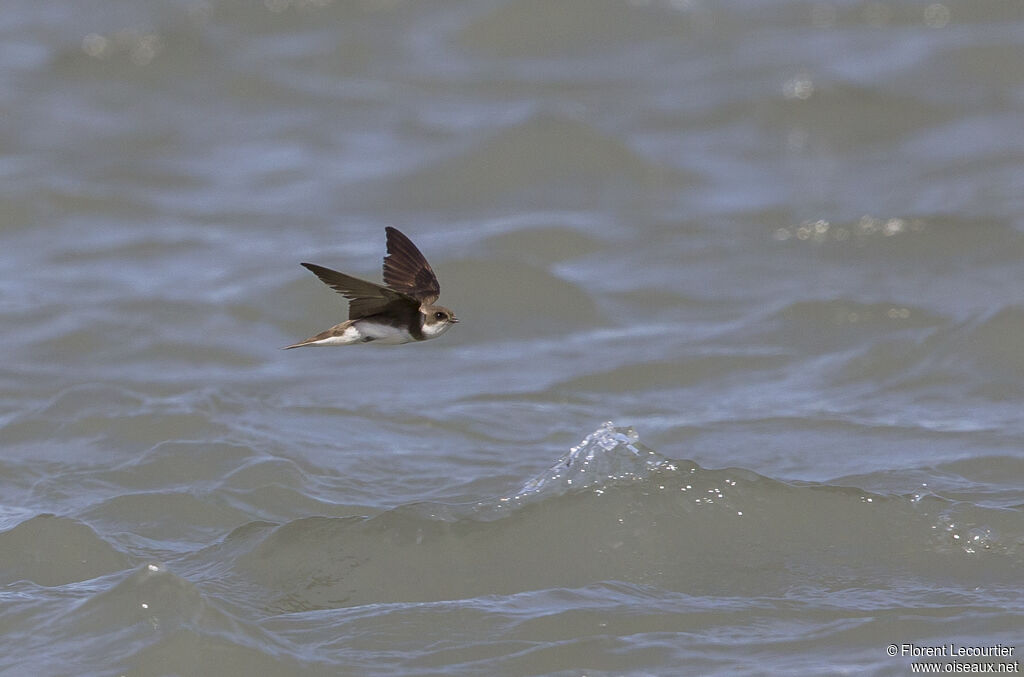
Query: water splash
{"points": [[609, 455]]}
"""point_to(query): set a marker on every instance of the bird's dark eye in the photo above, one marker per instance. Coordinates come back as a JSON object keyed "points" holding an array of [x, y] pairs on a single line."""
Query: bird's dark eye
{"points": [[439, 315]]}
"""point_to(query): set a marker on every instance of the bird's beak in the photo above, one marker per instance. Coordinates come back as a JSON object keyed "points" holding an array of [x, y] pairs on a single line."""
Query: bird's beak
{"points": [[454, 320]]}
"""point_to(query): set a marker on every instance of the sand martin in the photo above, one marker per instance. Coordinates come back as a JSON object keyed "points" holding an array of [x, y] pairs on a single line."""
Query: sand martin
{"points": [[401, 311]]}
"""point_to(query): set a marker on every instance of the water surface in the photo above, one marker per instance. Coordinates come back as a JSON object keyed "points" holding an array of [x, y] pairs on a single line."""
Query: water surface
{"points": [[778, 244]]}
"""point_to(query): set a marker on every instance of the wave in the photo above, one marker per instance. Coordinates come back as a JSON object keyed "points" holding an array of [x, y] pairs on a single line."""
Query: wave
{"points": [[612, 509], [612, 524]]}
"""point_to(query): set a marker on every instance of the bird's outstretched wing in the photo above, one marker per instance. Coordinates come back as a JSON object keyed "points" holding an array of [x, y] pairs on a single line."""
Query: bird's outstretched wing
{"points": [[406, 270], [365, 298]]}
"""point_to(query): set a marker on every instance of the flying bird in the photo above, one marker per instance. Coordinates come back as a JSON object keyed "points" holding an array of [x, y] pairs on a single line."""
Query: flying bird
{"points": [[400, 311]]}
